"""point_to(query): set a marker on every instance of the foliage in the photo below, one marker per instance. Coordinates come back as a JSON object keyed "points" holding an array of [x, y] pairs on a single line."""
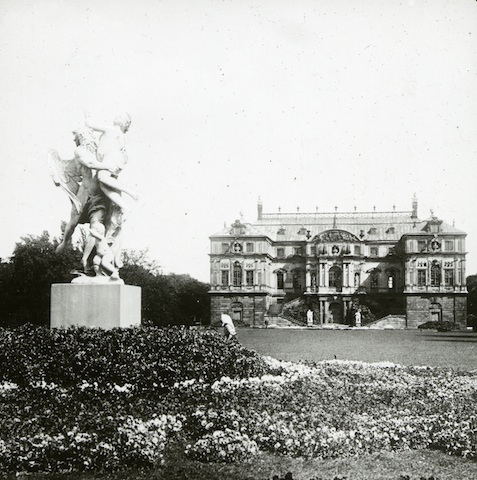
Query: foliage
{"points": [[169, 299], [296, 309], [366, 307], [102, 400], [472, 321], [149, 358], [25, 280], [140, 258], [25, 285], [471, 282], [441, 326]]}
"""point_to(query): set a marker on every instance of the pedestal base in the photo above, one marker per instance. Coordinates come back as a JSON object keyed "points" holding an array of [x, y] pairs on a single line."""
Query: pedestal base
{"points": [[101, 306]]}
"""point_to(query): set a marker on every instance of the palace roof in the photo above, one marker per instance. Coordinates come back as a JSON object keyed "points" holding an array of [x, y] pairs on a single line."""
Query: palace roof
{"points": [[368, 226]]}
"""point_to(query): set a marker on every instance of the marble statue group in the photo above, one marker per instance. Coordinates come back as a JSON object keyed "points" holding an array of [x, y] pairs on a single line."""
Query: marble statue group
{"points": [[90, 180]]}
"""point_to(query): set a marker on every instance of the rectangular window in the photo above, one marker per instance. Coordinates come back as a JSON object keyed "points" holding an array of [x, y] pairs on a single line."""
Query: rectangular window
{"points": [[435, 275], [298, 251], [225, 247], [237, 275], [280, 281], [421, 278], [374, 280], [297, 284], [357, 250], [225, 278], [280, 252], [373, 251], [449, 278], [421, 245], [449, 245], [249, 277], [249, 247], [313, 250]]}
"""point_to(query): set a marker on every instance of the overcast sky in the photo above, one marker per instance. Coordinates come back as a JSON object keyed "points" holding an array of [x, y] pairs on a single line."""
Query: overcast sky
{"points": [[304, 103]]}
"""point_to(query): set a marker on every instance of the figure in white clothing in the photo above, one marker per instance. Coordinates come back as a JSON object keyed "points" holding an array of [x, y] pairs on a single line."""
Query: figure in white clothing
{"points": [[229, 328], [357, 318], [309, 317]]}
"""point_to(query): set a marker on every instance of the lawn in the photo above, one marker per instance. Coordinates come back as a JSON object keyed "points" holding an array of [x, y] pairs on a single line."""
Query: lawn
{"points": [[404, 347]]}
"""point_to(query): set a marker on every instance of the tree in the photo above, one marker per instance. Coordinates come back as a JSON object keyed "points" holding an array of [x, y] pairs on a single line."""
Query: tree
{"points": [[25, 281], [472, 301], [169, 299]]}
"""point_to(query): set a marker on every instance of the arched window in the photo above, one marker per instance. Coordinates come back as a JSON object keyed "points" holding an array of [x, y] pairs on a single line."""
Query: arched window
{"points": [[435, 311], [280, 280], [435, 274], [357, 279], [392, 279], [237, 274], [334, 277]]}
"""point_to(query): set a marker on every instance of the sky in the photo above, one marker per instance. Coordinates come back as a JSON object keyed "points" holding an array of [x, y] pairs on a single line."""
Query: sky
{"points": [[303, 103]]}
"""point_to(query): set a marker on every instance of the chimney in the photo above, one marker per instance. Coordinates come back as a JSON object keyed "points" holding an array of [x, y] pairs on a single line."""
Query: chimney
{"points": [[414, 206], [259, 209]]}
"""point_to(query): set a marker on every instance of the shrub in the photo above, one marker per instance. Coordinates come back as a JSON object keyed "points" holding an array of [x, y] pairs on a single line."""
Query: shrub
{"points": [[149, 358], [441, 326]]}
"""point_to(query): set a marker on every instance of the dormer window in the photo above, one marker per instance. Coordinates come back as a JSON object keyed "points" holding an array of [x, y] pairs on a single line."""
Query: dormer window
{"points": [[391, 230], [238, 228], [281, 231], [372, 231]]}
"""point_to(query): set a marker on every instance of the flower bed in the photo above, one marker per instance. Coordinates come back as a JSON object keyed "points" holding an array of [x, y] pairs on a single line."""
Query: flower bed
{"points": [[95, 400]]}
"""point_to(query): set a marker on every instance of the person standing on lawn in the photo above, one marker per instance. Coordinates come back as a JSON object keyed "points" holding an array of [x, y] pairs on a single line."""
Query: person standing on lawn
{"points": [[229, 329]]}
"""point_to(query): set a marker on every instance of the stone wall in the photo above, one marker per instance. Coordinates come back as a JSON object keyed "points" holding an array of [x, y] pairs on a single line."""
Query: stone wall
{"points": [[252, 308], [453, 309]]}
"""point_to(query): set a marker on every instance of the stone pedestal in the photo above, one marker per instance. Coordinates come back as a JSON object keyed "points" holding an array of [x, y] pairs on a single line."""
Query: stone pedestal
{"points": [[102, 306]]}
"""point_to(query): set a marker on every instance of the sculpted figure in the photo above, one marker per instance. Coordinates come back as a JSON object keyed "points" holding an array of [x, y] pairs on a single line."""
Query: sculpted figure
{"points": [[90, 181], [112, 151], [77, 179], [104, 256]]}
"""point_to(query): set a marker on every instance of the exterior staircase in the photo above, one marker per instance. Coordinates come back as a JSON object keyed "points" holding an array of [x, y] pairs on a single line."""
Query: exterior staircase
{"points": [[276, 318]]}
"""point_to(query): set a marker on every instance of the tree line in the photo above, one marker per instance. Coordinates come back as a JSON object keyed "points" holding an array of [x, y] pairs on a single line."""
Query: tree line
{"points": [[26, 279]]}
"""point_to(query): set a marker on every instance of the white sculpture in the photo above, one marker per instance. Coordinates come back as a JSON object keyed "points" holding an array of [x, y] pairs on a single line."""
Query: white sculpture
{"points": [[90, 181]]}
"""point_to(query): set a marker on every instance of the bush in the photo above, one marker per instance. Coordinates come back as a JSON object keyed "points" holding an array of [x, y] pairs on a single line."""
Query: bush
{"points": [[442, 326], [145, 357]]}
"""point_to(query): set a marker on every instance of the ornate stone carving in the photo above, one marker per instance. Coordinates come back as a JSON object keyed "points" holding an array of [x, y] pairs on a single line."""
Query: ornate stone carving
{"points": [[332, 236], [90, 180]]}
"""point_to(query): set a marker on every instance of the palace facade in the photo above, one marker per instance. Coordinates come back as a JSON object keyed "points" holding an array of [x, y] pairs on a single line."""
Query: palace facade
{"points": [[391, 263]]}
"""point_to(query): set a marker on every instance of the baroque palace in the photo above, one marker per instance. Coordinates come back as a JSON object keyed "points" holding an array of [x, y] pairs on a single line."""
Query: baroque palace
{"points": [[390, 263]]}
